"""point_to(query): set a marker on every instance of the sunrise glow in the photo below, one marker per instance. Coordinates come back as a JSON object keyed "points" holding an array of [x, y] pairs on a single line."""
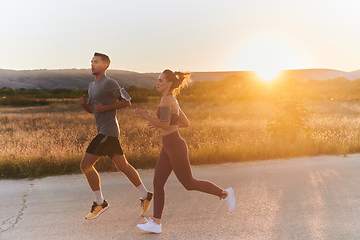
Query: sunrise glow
{"points": [[267, 55]]}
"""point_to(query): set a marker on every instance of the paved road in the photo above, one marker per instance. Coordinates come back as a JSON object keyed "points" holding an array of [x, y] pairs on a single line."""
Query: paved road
{"points": [[302, 198]]}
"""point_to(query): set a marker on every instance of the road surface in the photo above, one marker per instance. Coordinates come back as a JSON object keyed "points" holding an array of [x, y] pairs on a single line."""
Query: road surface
{"points": [[300, 198]]}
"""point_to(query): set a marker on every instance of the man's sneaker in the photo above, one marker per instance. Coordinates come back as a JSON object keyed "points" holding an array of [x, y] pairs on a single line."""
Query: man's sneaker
{"points": [[97, 210], [146, 203], [150, 226], [230, 199]]}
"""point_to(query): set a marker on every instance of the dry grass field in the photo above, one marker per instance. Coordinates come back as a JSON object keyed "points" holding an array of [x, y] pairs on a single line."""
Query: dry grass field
{"points": [[48, 140]]}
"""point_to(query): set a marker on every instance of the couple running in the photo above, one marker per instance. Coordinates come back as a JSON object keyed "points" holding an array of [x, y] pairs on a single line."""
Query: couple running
{"points": [[103, 95]]}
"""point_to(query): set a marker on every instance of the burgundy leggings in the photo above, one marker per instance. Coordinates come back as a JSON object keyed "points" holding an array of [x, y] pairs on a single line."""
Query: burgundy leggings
{"points": [[174, 157]]}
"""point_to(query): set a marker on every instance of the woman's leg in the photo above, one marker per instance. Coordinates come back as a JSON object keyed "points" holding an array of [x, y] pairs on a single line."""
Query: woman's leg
{"points": [[173, 156], [162, 172], [180, 164]]}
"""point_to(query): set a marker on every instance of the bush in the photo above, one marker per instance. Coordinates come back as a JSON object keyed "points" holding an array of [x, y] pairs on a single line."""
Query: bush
{"points": [[289, 114], [21, 101]]}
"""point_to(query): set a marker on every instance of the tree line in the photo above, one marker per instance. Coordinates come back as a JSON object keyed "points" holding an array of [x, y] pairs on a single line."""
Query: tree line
{"points": [[233, 88]]}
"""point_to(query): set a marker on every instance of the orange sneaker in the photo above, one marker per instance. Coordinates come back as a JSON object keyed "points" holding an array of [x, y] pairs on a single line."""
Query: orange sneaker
{"points": [[97, 210], [146, 203]]}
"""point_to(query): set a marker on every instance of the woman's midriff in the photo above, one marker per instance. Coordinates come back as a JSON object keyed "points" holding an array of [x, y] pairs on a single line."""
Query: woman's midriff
{"points": [[171, 129]]}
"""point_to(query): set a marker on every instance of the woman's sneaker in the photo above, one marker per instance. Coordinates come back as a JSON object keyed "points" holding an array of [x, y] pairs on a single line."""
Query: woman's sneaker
{"points": [[97, 210], [150, 226], [230, 199]]}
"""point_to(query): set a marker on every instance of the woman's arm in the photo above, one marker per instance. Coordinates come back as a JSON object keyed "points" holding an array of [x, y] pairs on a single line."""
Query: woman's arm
{"points": [[183, 121], [154, 121]]}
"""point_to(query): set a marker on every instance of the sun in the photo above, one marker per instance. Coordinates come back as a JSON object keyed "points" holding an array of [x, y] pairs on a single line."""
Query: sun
{"points": [[268, 74], [267, 55]]}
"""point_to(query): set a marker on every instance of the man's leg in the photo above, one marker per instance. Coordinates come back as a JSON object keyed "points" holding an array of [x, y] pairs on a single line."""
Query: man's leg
{"points": [[130, 172], [123, 166], [87, 167]]}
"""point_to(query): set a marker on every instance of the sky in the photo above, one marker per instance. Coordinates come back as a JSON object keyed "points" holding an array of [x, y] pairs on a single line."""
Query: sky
{"points": [[188, 35]]}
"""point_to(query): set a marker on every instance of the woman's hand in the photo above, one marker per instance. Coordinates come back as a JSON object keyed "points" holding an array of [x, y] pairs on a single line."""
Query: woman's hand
{"points": [[152, 126], [141, 113]]}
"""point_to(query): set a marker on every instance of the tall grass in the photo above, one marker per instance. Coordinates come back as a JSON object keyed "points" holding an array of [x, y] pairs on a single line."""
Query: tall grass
{"points": [[48, 140]]}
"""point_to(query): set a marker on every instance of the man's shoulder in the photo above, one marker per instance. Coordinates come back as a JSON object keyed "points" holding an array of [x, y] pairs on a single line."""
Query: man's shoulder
{"points": [[110, 83], [106, 78]]}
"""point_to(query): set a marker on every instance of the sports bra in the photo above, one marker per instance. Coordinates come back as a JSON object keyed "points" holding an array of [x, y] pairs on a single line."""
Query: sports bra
{"points": [[174, 119]]}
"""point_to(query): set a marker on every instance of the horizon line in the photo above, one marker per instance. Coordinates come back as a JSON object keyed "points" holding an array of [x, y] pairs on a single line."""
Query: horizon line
{"points": [[209, 71]]}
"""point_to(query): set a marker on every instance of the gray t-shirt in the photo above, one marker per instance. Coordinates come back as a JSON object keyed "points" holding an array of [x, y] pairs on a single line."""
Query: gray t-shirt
{"points": [[105, 91]]}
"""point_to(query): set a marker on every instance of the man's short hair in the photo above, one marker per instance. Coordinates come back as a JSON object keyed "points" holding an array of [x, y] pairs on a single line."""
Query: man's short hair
{"points": [[104, 57]]}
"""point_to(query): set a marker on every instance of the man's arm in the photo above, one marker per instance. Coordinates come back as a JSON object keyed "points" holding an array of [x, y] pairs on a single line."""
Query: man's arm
{"points": [[99, 107], [83, 103]]}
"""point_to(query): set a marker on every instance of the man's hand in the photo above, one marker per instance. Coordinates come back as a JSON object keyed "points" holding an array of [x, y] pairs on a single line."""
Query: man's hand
{"points": [[82, 100], [84, 104], [99, 107]]}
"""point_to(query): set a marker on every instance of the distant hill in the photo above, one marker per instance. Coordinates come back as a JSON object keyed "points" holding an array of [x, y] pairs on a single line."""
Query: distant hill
{"points": [[319, 74], [69, 78], [80, 78], [211, 76]]}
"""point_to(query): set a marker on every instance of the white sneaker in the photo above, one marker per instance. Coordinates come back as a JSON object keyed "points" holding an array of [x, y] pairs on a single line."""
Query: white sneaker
{"points": [[150, 226], [230, 199]]}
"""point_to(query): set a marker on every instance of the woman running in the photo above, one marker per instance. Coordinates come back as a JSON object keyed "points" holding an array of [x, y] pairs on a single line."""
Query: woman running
{"points": [[174, 152]]}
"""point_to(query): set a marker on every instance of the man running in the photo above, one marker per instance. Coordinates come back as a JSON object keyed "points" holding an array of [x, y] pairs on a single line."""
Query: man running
{"points": [[105, 97]]}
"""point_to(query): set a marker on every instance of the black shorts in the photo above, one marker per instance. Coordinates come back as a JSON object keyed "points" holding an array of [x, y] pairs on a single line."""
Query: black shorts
{"points": [[103, 145]]}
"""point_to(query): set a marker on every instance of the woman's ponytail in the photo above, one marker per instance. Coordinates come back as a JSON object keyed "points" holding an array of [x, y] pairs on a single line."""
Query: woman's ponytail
{"points": [[179, 80]]}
